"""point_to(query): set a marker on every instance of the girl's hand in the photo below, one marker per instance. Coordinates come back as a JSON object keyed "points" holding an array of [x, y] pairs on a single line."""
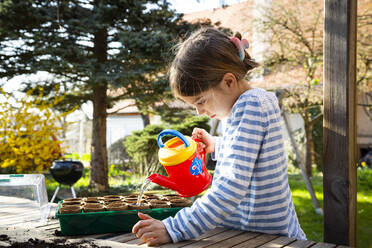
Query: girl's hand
{"points": [[151, 231], [208, 142]]}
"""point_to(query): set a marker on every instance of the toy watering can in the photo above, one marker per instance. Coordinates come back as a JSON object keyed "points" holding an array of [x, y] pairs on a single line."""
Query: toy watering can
{"points": [[184, 163]]}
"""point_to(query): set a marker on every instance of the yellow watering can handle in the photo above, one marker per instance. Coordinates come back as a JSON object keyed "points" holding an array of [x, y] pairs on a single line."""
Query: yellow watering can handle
{"points": [[174, 133]]}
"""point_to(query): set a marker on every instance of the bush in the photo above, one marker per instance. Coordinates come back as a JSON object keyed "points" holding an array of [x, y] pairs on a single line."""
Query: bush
{"points": [[117, 153], [142, 145], [142, 148], [28, 133]]}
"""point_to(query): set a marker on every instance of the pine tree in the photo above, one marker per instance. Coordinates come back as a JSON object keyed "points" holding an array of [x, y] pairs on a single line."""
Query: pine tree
{"points": [[90, 47]]}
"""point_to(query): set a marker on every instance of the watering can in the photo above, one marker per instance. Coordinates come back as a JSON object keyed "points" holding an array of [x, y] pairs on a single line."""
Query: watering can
{"points": [[184, 163]]}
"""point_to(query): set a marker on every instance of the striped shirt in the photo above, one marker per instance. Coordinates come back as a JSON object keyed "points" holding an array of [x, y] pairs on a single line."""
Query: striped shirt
{"points": [[250, 189]]}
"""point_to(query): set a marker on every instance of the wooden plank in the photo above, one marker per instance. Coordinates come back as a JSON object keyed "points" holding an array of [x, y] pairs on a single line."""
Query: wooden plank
{"points": [[215, 234], [235, 240], [49, 222], [339, 123], [278, 242], [29, 220], [214, 239], [136, 241], [301, 244], [203, 236], [123, 238], [259, 240], [48, 227], [105, 236], [323, 245], [18, 212], [3, 214]]}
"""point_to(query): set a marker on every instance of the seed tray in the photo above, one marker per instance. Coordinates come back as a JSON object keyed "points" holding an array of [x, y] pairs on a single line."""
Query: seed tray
{"points": [[107, 221]]}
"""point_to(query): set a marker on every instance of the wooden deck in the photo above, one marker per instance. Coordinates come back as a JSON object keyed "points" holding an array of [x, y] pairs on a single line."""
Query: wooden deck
{"points": [[10, 225]]}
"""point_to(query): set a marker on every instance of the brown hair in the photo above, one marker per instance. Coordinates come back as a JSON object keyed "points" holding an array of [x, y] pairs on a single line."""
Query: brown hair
{"points": [[203, 59]]}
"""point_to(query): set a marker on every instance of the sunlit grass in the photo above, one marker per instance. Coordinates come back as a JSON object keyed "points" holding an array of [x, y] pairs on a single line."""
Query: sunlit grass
{"points": [[312, 223]]}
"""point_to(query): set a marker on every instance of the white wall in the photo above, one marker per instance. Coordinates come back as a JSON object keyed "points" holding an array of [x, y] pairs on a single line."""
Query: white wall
{"points": [[121, 126]]}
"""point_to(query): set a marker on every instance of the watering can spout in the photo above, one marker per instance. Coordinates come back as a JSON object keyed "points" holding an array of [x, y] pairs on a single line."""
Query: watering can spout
{"points": [[163, 181]]}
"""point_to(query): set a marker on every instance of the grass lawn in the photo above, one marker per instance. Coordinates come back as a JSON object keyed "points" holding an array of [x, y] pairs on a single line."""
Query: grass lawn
{"points": [[311, 223]]}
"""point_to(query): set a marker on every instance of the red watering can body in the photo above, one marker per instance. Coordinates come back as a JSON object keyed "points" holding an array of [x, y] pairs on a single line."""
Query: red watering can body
{"points": [[184, 163]]}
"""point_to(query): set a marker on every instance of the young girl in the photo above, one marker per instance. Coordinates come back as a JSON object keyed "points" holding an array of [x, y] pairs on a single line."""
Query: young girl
{"points": [[250, 188]]}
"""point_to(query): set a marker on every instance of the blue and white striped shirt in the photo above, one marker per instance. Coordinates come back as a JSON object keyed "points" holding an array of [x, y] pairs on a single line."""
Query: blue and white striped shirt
{"points": [[250, 188]]}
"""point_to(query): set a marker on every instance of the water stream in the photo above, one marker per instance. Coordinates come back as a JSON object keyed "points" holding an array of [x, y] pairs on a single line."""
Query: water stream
{"points": [[144, 187]]}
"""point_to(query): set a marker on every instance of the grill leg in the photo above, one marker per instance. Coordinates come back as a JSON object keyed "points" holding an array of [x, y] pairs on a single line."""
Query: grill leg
{"points": [[73, 191], [54, 195]]}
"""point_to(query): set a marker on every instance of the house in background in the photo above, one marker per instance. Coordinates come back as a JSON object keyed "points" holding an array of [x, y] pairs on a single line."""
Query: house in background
{"points": [[122, 119]]}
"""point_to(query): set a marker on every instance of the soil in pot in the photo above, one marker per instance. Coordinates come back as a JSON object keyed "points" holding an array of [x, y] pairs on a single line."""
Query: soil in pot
{"points": [[131, 201], [70, 209], [94, 208], [107, 202], [71, 203], [149, 195], [130, 197], [159, 204], [176, 203], [111, 196], [94, 199], [117, 206], [149, 198], [135, 195], [92, 205], [171, 197]]}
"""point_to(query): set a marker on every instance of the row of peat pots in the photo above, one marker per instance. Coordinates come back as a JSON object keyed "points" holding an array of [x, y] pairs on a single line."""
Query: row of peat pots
{"points": [[114, 213]]}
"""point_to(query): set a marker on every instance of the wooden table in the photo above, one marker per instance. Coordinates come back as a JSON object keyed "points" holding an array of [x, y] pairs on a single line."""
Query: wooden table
{"points": [[218, 237]]}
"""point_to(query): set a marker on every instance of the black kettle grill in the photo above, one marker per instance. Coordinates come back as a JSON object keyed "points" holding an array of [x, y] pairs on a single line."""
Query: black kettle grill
{"points": [[66, 172]]}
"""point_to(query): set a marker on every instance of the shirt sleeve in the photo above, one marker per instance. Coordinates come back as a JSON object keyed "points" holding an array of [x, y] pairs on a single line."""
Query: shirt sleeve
{"points": [[236, 155]]}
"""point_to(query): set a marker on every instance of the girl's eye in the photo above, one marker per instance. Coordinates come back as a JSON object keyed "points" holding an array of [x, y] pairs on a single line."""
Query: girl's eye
{"points": [[201, 102]]}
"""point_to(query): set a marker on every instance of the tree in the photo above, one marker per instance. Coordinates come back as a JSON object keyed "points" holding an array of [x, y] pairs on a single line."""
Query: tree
{"points": [[91, 48], [364, 58], [296, 39], [28, 133], [297, 45]]}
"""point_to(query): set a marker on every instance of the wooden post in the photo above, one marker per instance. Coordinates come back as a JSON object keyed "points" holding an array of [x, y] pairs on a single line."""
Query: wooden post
{"points": [[339, 131]]}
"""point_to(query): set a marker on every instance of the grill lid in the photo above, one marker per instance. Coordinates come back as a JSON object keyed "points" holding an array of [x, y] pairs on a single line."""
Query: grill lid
{"points": [[67, 171]]}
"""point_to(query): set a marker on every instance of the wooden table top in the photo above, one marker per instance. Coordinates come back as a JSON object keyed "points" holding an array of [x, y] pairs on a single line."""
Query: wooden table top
{"points": [[219, 237]]}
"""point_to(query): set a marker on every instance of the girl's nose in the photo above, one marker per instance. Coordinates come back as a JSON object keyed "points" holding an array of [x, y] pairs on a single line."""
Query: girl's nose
{"points": [[199, 111]]}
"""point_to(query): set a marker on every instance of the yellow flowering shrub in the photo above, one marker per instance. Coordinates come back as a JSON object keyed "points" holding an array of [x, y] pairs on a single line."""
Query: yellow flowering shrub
{"points": [[28, 131]]}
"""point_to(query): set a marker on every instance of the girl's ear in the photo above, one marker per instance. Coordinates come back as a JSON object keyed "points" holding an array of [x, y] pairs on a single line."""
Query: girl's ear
{"points": [[229, 81]]}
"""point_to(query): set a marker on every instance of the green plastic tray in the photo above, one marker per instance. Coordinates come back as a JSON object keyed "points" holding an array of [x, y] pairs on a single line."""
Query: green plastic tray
{"points": [[108, 221]]}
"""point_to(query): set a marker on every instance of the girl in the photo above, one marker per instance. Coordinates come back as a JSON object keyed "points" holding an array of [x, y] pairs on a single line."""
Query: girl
{"points": [[250, 188]]}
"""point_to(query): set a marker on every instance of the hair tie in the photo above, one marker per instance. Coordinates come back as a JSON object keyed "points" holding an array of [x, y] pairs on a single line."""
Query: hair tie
{"points": [[241, 45]]}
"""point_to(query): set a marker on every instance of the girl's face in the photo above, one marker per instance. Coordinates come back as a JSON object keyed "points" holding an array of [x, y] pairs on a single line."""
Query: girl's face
{"points": [[218, 101], [213, 103]]}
